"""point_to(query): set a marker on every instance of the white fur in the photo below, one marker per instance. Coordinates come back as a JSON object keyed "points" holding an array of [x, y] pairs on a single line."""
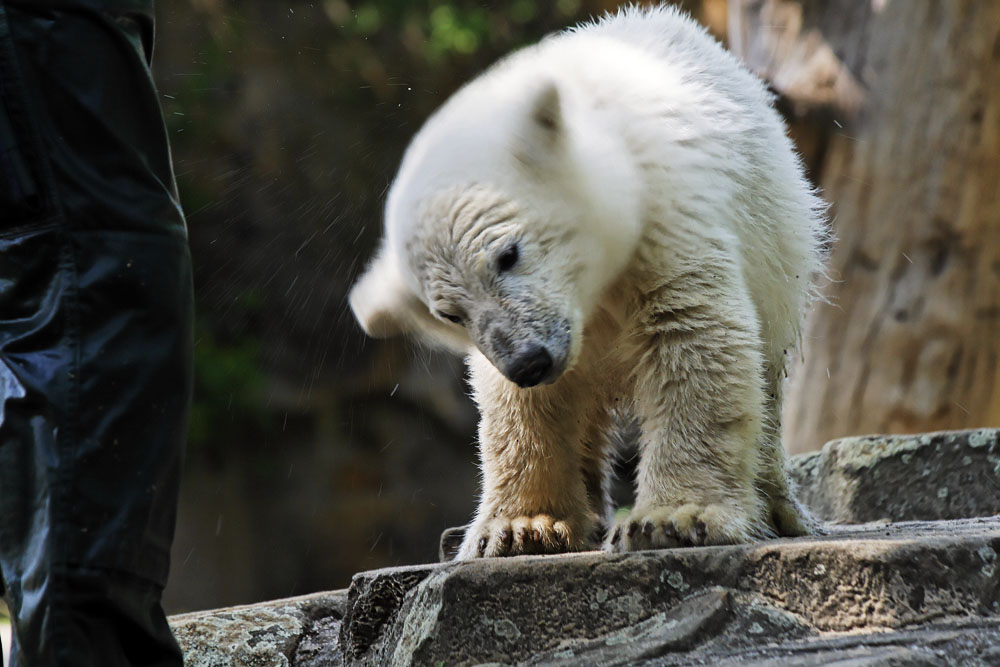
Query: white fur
{"points": [[667, 242]]}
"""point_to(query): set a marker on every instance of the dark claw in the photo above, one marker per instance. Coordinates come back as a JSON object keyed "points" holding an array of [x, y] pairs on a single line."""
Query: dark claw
{"points": [[536, 535], [482, 546], [522, 537], [615, 536], [632, 527], [647, 529], [670, 531]]}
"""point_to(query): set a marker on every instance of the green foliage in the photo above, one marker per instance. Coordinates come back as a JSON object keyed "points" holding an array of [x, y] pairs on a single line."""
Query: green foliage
{"points": [[448, 29], [455, 30]]}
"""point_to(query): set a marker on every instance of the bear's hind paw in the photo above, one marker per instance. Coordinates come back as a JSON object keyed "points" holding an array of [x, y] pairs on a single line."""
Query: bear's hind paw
{"points": [[789, 518]]}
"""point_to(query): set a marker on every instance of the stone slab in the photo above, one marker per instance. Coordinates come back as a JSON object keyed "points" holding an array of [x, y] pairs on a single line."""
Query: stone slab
{"points": [[301, 631], [925, 477], [903, 593], [915, 585], [879, 577]]}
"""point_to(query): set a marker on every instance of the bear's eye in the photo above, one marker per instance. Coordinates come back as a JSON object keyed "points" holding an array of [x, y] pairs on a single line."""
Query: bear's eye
{"points": [[507, 259], [451, 318]]}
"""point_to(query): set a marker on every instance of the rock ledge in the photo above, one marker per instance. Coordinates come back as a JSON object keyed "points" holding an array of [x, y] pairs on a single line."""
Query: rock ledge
{"points": [[880, 593]]}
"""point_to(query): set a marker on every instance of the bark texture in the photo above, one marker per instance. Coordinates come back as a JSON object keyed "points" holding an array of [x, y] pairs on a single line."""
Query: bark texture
{"points": [[909, 340]]}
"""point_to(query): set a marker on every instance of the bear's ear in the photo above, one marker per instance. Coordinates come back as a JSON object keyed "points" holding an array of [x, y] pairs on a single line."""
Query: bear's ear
{"points": [[542, 128], [385, 307], [380, 300], [546, 110]]}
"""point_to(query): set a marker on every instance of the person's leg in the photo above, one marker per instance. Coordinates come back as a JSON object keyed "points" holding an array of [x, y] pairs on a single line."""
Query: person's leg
{"points": [[95, 339]]}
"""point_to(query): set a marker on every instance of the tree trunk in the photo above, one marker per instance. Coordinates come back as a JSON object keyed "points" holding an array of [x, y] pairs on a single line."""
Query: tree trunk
{"points": [[910, 338]]}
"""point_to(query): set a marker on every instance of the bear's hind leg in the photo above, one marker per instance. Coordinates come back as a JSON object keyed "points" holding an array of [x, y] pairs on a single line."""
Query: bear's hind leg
{"points": [[786, 515], [595, 465]]}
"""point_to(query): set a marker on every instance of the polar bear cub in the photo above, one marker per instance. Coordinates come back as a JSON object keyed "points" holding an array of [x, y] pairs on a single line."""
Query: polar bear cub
{"points": [[610, 221]]}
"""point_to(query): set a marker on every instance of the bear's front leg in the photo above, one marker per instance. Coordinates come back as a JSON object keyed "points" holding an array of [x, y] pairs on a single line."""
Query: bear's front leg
{"points": [[699, 395], [534, 499]]}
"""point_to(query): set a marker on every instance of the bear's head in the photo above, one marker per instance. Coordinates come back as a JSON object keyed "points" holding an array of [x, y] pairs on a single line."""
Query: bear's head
{"points": [[515, 207]]}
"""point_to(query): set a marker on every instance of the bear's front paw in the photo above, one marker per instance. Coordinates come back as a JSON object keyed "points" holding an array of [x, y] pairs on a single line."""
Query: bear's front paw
{"points": [[514, 536], [666, 526]]}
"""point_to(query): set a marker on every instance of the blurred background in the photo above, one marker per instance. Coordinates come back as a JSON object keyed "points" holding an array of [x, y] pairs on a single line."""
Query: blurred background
{"points": [[315, 453]]}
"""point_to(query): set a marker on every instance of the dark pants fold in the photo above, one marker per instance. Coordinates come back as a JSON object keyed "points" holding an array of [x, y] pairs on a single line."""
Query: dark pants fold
{"points": [[95, 336]]}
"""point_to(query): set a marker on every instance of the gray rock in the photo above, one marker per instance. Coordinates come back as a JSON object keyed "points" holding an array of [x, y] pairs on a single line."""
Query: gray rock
{"points": [[903, 593], [320, 645], [677, 629], [879, 594], [944, 475], [964, 642], [271, 634], [375, 600], [857, 578]]}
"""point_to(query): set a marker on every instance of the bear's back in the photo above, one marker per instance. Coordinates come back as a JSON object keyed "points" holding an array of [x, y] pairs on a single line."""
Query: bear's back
{"points": [[672, 37]]}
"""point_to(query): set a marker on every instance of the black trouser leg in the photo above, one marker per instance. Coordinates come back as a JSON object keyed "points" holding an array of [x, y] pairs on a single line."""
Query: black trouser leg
{"points": [[93, 617], [95, 338]]}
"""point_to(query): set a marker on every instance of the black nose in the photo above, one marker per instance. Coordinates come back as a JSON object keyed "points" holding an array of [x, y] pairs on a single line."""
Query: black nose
{"points": [[531, 365]]}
